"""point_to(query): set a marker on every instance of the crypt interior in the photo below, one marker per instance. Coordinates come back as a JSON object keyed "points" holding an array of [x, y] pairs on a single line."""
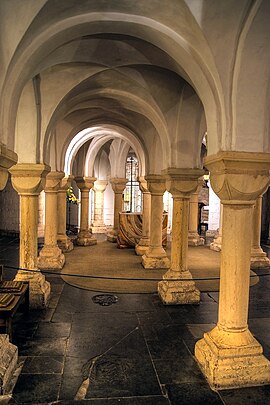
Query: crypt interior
{"points": [[134, 221]]}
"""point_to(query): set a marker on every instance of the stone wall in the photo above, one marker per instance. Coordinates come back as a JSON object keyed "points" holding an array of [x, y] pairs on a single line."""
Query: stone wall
{"points": [[9, 210]]}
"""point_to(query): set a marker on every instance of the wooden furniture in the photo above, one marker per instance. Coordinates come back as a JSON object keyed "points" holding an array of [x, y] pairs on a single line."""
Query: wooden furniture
{"points": [[13, 294], [130, 229]]}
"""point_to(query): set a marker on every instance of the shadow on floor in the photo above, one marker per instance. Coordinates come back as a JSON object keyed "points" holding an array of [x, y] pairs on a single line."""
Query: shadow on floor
{"points": [[134, 352]]}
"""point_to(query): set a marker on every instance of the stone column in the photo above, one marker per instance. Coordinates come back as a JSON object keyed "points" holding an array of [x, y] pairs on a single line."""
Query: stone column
{"points": [[144, 242], [181, 183], [258, 258], [156, 257], [28, 179], [85, 237], [194, 238], [118, 186], [63, 241], [98, 222], [217, 242], [50, 256], [229, 355], [8, 352]]}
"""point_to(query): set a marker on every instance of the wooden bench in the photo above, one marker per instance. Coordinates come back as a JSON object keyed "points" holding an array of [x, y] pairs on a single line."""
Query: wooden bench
{"points": [[13, 294]]}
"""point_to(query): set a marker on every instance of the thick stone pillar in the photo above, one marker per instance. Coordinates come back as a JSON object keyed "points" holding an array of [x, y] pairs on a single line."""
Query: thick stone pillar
{"points": [[85, 237], [8, 352], [181, 183], [98, 222], [28, 179], [156, 257], [144, 242], [229, 355], [63, 241], [258, 258], [118, 186], [194, 238], [51, 256]]}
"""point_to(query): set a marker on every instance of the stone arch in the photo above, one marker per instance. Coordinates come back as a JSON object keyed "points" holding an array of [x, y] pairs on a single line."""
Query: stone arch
{"points": [[196, 61], [103, 131]]}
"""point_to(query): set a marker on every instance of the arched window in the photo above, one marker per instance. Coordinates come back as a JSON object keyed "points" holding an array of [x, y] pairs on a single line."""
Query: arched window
{"points": [[132, 193]]}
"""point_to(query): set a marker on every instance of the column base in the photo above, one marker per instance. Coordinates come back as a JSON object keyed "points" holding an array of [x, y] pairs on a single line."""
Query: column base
{"points": [[155, 258], [85, 238], [8, 363], [65, 244], [51, 257], [173, 292], [216, 244], [112, 236], [39, 287], [142, 247], [194, 239], [141, 250], [99, 229], [258, 259], [232, 359]]}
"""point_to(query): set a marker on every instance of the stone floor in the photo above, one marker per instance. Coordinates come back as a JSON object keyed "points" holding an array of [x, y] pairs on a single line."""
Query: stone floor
{"points": [[134, 352]]}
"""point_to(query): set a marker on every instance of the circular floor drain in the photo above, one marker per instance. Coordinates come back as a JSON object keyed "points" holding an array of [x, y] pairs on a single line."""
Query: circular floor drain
{"points": [[105, 299]]}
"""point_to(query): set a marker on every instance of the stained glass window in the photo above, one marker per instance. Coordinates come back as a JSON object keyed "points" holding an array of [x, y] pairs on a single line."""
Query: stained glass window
{"points": [[132, 193]]}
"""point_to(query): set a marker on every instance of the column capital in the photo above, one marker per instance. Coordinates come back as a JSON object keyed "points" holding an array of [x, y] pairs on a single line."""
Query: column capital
{"points": [[8, 158], [239, 177], [65, 183], [85, 183], [182, 182], [29, 178], [156, 184], [143, 184], [118, 184], [53, 180], [100, 185]]}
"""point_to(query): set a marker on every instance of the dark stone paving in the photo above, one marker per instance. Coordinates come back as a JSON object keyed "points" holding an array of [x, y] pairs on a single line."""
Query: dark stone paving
{"points": [[134, 352]]}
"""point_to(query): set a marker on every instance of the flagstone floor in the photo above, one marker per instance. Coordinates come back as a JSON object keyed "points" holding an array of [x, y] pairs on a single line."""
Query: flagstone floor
{"points": [[133, 352]]}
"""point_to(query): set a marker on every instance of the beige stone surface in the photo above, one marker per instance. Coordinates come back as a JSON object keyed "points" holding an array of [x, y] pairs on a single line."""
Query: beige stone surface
{"points": [[229, 356], [8, 363], [51, 256], [181, 183], [85, 237], [63, 241], [28, 180], [98, 225], [143, 245], [118, 186], [258, 257], [194, 238], [156, 257]]}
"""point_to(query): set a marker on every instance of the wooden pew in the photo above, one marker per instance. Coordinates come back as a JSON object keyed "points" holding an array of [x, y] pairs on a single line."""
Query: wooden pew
{"points": [[13, 294]]}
